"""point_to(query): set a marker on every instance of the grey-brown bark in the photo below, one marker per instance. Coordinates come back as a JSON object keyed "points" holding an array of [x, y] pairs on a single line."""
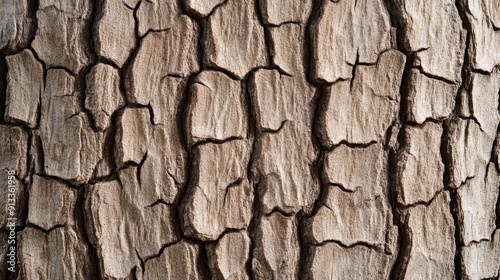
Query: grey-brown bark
{"points": [[252, 139]]}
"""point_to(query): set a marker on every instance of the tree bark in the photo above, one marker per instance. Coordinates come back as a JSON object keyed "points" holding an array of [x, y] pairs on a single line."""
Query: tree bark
{"points": [[252, 139]]}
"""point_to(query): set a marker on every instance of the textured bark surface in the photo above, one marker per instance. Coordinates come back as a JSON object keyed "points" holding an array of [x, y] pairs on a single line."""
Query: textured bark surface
{"points": [[251, 139]]}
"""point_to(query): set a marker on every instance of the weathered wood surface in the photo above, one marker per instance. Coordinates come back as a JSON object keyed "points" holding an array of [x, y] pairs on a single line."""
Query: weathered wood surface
{"points": [[251, 139]]}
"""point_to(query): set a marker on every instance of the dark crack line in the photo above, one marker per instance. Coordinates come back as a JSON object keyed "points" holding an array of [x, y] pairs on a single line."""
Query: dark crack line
{"points": [[60, 180], [445, 152], [274, 131], [280, 211], [267, 34], [158, 255], [234, 184], [435, 77], [352, 145], [284, 23], [69, 72], [252, 173], [83, 225], [342, 188], [353, 245], [216, 141], [159, 202], [399, 267], [420, 203], [438, 121], [213, 67], [317, 169], [354, 68], [46, 231]]}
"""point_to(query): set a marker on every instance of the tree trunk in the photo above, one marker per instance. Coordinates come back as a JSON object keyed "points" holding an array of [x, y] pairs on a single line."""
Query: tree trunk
{"points": [[252, 139]]}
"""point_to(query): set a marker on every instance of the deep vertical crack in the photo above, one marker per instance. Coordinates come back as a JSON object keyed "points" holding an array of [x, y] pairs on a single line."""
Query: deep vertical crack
{"points": [[316, 171], [445, 156], [399, 217], [33, 6], [82, 226], [401, 264], [126, 68], [445, 142], [319, 104], [308, 40], [267, 34], [252, 137], [181, 119]]}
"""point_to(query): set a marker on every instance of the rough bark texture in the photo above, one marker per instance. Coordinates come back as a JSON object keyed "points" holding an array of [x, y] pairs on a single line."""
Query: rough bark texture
{"points": [[251, 139]]}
